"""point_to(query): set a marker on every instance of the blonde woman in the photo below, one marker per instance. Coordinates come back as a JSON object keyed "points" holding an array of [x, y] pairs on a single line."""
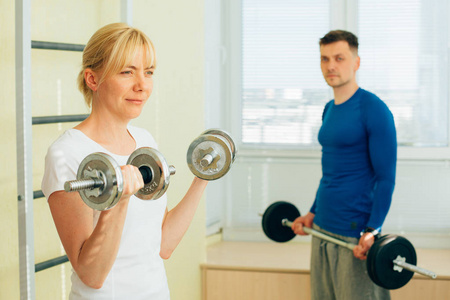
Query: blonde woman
{"points": [[117, 253]]}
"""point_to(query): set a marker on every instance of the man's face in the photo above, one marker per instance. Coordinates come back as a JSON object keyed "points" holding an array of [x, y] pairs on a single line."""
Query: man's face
{"points": [[338, 63]]}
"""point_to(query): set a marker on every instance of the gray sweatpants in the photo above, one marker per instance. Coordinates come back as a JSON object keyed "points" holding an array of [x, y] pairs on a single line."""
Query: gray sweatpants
{"points": [[337, 275]]}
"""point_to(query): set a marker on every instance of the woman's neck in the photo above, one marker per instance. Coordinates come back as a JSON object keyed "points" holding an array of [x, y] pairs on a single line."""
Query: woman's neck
{"points": [[111, 135]]}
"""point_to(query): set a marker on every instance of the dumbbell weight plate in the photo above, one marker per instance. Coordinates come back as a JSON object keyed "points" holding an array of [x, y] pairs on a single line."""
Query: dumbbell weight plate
{"points": [[205, 144], [227, 137], [380, 262], [155, 171], [105, 197], [271, 221]]}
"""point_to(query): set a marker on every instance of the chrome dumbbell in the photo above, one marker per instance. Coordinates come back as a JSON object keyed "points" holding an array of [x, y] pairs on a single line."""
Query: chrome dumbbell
{"points": [[211, 154], [100, 182]]}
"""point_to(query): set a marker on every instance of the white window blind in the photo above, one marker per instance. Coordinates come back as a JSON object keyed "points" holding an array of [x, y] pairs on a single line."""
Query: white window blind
{"points": [[404, 60], [283, 91]]}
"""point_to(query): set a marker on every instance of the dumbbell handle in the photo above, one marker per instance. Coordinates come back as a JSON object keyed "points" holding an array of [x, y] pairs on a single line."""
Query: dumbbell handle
{"points": [[92, 183], [83, 184], [398, 262]]}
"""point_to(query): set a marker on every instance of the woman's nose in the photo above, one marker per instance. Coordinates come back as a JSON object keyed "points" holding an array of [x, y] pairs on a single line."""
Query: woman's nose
{"points": [[142, 83]]}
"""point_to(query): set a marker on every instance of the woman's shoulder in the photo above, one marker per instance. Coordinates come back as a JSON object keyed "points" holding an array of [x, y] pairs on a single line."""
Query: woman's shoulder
{"points": [[71, 143], [67, 139]]}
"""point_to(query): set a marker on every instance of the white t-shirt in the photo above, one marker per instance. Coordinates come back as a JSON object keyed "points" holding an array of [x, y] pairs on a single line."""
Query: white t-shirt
{"points": [[138, 272]]}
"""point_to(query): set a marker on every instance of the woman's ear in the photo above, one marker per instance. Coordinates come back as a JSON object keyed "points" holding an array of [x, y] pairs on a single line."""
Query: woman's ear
{"points": [[92, 79]]}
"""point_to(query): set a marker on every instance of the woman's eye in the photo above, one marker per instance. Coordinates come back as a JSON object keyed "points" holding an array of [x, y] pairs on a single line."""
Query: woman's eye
{"points": [[126, 72]]}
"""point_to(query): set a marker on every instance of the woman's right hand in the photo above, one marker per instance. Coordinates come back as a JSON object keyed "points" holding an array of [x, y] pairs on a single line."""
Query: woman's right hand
{"points": [[132, 180], [297, 225]]}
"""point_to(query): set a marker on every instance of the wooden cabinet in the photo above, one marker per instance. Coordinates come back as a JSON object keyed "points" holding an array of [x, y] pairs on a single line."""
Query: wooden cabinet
{"points": [[269, 271], [429, 289], [245, 285]]}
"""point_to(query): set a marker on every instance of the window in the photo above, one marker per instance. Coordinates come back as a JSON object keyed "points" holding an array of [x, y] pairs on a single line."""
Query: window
{"points": [[404, 60]]}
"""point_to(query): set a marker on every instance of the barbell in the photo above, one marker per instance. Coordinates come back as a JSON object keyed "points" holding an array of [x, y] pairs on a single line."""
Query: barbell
{"points": [[100, 182], [391, 261]]}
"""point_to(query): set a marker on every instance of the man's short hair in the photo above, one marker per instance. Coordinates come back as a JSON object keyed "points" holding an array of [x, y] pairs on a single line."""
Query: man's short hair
{"points": [[340, 35]]}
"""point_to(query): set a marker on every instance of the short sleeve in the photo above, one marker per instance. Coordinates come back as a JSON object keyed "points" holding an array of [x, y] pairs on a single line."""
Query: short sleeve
{"points": [[60, 166]]}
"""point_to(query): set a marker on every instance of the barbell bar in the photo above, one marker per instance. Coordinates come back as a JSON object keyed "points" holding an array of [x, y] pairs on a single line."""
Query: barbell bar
{"points": [[390, 261]]}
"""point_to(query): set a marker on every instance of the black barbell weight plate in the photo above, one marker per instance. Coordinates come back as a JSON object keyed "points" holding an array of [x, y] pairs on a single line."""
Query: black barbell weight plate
{"points": [[272, 217], [382, 266], [371, 257]]}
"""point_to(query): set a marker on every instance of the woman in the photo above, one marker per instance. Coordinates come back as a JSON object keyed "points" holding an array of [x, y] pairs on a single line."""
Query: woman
{"points": [[115, 254]]}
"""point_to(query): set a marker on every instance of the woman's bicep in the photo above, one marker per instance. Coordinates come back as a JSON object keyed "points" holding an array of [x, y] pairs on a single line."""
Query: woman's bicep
{"points": [[73, 220]]}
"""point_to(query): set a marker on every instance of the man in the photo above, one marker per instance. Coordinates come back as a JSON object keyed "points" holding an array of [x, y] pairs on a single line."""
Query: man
{"points": [[359, 154]]}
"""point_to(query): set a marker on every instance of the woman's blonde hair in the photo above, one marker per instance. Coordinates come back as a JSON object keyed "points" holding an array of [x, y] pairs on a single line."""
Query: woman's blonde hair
{"points": [[110, 49]]}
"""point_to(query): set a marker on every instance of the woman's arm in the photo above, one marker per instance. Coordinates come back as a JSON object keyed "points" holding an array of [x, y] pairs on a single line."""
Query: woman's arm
{"points": [[177, 220], [92, 250]]}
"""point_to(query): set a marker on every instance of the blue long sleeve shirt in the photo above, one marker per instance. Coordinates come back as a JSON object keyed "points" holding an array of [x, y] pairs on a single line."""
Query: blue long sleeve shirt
{"points": [[359, 155]]}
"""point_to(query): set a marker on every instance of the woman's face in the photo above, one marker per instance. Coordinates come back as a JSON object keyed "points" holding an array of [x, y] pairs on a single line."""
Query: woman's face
{"points": [[125, 93]]}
